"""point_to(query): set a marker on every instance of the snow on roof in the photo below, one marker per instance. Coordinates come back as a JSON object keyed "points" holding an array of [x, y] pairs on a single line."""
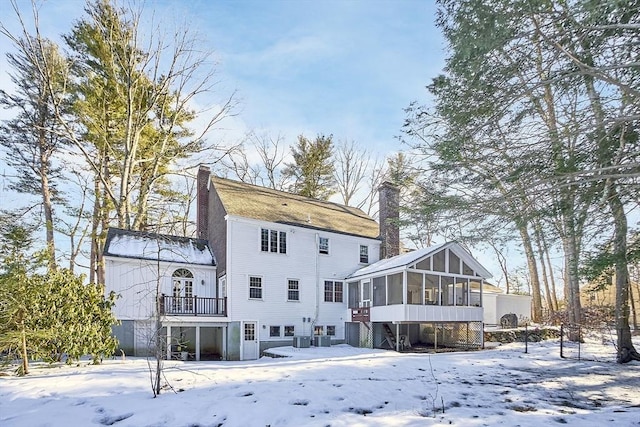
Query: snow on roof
{"points": [[396, 261], [404, 260], [151, 246]]}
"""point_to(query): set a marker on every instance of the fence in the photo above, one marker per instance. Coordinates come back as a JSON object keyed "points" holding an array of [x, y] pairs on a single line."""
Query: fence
{"points": [[579, 342]]}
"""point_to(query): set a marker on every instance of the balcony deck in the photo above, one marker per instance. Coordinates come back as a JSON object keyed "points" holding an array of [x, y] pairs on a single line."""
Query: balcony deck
{"points": [[192, 306]]}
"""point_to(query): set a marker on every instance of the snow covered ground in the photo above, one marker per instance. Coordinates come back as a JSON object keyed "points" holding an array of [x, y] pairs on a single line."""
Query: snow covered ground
{"points": [[337, 386]]}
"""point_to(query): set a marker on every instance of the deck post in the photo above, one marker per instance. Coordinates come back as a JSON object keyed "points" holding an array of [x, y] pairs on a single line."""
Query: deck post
{"points": [[197, 343], [397, 337], [168, 342], [435, 336]]}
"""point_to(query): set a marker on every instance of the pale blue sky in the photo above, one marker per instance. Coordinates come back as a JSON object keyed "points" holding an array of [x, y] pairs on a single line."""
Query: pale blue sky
{"points": [[346, 68]]}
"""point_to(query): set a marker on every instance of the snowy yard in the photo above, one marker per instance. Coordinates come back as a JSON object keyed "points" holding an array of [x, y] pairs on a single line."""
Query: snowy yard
{"points": [[336, 386]]}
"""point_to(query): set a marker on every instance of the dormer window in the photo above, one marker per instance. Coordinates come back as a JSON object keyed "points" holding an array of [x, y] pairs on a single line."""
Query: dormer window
{"points": [[273, 241], [323, 245]]}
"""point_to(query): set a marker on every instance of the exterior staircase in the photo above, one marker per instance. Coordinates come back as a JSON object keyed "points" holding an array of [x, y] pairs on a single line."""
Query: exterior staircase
{"points": [[390, 337]]}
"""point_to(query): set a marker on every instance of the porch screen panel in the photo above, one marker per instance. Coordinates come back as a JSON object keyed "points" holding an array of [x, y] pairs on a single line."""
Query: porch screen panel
{"points": [[447, 290], [454, 263], [475, 293], [414, 288], [379, 291], [466, 270], [438, 261], [431, 289], [462, 285], [394, 288], [366, 292], [354, 295], [425, 264]]}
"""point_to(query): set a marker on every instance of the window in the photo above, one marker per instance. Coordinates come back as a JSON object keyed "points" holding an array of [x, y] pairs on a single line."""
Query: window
{"points": [[255, 287], [273, 241], [332, 291], [364, 254], [249, 331], [274, 331], [318, 330], [293, 292], [323, 245], [264, 246], [182, 290], [289, 331], [331, 330], [283, 242], [338, 291]]}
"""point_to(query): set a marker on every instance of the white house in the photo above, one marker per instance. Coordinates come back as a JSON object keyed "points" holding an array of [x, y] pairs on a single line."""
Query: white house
{"points": [[282, 260], [174, 277], [286, 269]]}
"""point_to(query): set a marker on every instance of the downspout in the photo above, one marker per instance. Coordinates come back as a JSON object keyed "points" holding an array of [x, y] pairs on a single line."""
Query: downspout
{"points": [[315, 316]]}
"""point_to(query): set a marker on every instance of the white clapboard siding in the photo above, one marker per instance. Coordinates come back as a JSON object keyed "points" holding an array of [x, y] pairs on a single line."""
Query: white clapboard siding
{"points": [[301, 262], [136, 280]]}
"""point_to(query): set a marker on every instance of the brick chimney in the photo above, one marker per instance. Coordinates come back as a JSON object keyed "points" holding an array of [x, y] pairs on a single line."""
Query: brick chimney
{"points": [[389, 213], [202, 210]]}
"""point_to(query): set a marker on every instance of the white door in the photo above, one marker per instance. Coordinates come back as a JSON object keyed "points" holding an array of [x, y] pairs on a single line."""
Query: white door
{"points": [[250, 345], [182, 291]]}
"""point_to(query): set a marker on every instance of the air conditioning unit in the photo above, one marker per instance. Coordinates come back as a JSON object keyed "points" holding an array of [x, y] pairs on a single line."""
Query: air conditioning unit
{"points": [[300, 341], [322, 341]]}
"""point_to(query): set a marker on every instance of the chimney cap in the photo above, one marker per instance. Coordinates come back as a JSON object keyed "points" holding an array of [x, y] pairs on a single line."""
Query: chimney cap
{"points": [[388, 183]]}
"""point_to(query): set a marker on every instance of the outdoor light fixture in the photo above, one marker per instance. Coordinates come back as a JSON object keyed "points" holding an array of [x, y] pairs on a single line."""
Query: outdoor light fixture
{"points": [[202, 282]]}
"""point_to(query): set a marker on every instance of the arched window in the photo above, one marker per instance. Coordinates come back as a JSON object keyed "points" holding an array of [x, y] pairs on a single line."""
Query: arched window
{"points": [[182, 280]]}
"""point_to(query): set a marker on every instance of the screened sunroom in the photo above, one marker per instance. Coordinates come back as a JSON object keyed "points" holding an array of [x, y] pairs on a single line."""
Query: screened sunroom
{"points": [[411, 298]]}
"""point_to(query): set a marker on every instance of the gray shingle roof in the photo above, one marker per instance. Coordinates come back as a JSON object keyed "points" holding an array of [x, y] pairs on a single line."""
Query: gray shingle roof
{"points": [[251, 201]]}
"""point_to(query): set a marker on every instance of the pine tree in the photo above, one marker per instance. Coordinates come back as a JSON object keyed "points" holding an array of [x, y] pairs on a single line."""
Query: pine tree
{"points": [[32, 138], [312, 168]]}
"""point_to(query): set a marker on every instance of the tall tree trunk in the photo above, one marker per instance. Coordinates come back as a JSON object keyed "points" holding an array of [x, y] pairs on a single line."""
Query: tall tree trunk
{"points": [[95, 231], [23, 350], [633, 307], [46, 198], [533, 272], [572, 278], [554, 294], [626, 350], [545, 279], [571, 246]]}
